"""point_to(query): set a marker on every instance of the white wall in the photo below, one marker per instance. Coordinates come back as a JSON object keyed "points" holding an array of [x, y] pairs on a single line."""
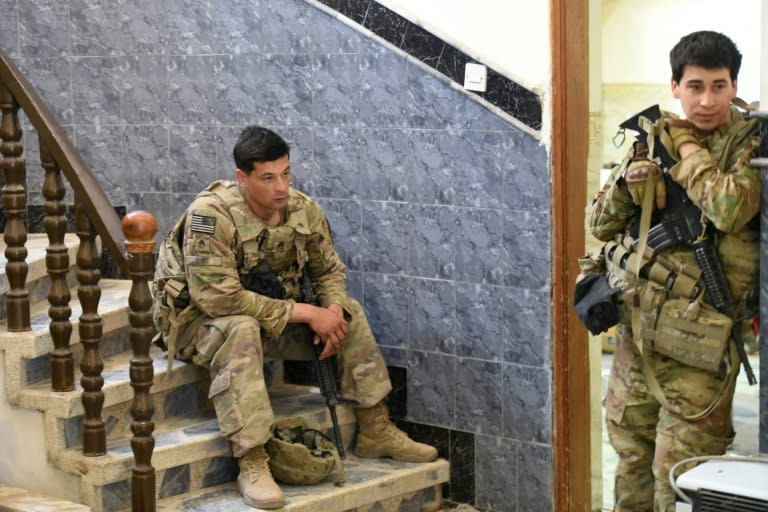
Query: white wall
{"points": [[510, 36], [637, 37]]}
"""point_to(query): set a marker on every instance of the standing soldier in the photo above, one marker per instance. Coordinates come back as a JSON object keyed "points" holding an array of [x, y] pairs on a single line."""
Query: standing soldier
{"points": [[680, 222]]}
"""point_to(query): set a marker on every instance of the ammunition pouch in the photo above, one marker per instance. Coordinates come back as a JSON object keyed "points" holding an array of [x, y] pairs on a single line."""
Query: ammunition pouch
{"points": [[693, 333]]}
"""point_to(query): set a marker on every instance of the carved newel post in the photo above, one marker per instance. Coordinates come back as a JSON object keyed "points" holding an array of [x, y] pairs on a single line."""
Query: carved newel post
{"points": [[139, 228]]}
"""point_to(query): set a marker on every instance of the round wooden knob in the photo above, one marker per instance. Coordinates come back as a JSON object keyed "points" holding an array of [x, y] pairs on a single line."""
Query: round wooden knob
{"points": [[139, 228]]}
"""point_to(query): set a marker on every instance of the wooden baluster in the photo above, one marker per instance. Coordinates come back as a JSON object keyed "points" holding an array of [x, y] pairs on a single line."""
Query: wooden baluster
{"points": [[57, 263], [90, 329], [139, 229], [14, 207]]}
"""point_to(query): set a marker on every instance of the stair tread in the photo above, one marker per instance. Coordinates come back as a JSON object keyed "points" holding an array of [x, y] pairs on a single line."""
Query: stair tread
{"points": [[14, 499], [113, 308], [194, 436], [36, 245], [367, 481], [117, 386]]}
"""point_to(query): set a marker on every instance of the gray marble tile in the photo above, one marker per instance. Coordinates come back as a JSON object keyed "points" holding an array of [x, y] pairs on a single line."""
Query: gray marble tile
{"points": [[116, 495], [336, 90], [527, 403], [431, 313], [386, 305], [238, 88], [479, 246], [9, 27], [96, 27], [430, 179], [478, 170], [188, 26], [304, 169], [236, 26], [44, 29], [226, 137], [337, 157], [386, 231], [52, 79], [527, 244], [146, 149], [432, 243], [285, 27], [327, 35], [526, 327], [193, 158], [384, 162], [179, 203], [96, 90], [285, 95], [478, 324], [175, 481], [190, 90], [431, 388], [143, 26], [101, 148], [157, 203], [526, 178], [497, 473], [144, 89], [433, 104], [478, 396], [345, 218], [384, 87], [535, 481]]}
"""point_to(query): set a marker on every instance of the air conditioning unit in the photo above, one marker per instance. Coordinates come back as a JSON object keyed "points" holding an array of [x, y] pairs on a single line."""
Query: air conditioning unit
{"points": [[723, 485]]}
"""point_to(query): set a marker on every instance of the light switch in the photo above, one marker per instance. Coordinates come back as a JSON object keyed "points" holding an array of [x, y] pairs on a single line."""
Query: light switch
{"points": [[474, 77]]}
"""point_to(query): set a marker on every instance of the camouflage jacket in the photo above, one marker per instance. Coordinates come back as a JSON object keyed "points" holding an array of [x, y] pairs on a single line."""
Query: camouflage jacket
{"points": [[224, 239], [720, 181]]}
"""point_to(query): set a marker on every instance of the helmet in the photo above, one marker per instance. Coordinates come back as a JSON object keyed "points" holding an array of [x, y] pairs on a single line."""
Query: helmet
{"points": [[302, 456]]}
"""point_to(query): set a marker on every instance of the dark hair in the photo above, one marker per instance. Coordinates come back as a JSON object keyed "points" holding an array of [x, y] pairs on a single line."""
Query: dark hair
{"points": [[258, 144], [710, 50]]}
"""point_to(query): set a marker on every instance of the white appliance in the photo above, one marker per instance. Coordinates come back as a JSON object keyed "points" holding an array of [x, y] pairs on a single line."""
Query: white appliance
{"points": [[723, 485]]}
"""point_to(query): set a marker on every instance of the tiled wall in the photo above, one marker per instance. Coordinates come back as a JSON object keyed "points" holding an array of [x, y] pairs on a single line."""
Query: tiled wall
{"points": [[440, 206]]}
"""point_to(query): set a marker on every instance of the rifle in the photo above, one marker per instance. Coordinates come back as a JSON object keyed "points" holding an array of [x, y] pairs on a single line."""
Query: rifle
{"points": [[324, 368]]}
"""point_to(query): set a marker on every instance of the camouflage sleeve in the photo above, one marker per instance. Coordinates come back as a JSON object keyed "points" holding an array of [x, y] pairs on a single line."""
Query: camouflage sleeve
{"points": [[211, 269], [728, 197], [611, 210], [325, 267]]}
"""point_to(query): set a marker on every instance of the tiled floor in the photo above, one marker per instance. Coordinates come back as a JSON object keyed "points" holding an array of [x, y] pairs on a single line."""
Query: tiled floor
{"points": [[745, 422]]}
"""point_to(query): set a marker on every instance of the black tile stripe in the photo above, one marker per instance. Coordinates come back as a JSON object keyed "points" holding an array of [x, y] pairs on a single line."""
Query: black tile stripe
{"points": [[508, 95]]}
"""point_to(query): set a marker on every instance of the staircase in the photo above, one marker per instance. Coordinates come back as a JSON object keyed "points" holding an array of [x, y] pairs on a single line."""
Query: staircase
{"points": [[193, 465]]}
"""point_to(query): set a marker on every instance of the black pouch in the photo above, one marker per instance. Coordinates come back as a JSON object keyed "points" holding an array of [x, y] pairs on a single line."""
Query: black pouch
{"points": [[595, 303]]}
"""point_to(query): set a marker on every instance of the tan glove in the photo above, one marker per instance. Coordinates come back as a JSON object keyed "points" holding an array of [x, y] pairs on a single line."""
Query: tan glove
{"points": [[681, 132], [636, 176]]}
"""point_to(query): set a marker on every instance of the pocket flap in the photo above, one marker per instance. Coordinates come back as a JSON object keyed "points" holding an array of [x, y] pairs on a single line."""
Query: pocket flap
{"points": [[219, 384]]}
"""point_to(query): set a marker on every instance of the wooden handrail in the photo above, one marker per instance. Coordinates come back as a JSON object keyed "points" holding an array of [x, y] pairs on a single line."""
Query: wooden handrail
{"points": [[87, 189]]}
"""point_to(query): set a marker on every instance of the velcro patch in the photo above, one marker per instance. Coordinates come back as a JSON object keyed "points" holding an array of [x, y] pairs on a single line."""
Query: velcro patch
{"points": [[202, 224]]}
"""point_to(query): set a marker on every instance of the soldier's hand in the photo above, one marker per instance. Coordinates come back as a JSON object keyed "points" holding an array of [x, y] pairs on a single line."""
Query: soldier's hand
{"points": [[682, 132], [636, 176], [330, 329]]}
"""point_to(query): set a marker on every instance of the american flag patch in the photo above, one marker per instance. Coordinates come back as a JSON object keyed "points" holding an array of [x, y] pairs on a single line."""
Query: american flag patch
{"points": [[202, 224]]}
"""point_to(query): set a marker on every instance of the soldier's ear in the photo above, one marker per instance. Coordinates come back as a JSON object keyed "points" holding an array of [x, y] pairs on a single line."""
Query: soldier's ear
{"points": [[240, 177]]}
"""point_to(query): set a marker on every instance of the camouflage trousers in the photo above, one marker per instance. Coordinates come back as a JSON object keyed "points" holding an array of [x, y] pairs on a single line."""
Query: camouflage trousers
{"points": [[233, 349], [648, 437]]}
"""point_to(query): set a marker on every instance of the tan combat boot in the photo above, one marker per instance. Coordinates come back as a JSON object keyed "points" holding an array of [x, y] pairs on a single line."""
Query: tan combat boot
{"points": [[255, 482], [377, 437]]}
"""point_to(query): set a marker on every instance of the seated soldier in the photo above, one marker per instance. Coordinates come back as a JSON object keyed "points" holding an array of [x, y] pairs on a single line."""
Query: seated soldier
{"points": [[232, 228]]}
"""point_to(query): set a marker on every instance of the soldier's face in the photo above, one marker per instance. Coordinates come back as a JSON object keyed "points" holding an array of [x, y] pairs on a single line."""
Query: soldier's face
{"points": [[266, 187], [705, 96]]}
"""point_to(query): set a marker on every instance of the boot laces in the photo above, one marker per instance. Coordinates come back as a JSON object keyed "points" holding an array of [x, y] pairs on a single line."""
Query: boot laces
{"points": [[255, 466]]}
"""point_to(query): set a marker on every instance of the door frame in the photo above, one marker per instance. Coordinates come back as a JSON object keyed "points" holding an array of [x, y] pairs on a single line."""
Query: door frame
{"points": [[569, 152]]}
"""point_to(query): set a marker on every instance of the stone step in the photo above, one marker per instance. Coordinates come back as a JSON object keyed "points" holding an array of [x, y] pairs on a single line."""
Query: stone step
{"points": [[381, 485], [13, 499], [37, 281], [190, 453]]}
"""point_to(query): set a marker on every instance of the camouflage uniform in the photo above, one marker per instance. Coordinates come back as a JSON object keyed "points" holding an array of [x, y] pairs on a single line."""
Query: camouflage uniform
{"points": [[231, 329], [648, 437]]}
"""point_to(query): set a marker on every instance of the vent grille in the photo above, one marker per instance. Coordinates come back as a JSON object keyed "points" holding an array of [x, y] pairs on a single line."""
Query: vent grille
{"points": [[714, 501]]}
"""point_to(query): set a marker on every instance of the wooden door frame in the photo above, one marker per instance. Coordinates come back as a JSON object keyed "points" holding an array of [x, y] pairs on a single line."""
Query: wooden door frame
{"points": [[569, 152]]}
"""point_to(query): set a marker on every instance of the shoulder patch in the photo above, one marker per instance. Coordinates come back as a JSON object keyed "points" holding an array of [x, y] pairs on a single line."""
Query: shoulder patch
{"points": [[202, 224]]}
